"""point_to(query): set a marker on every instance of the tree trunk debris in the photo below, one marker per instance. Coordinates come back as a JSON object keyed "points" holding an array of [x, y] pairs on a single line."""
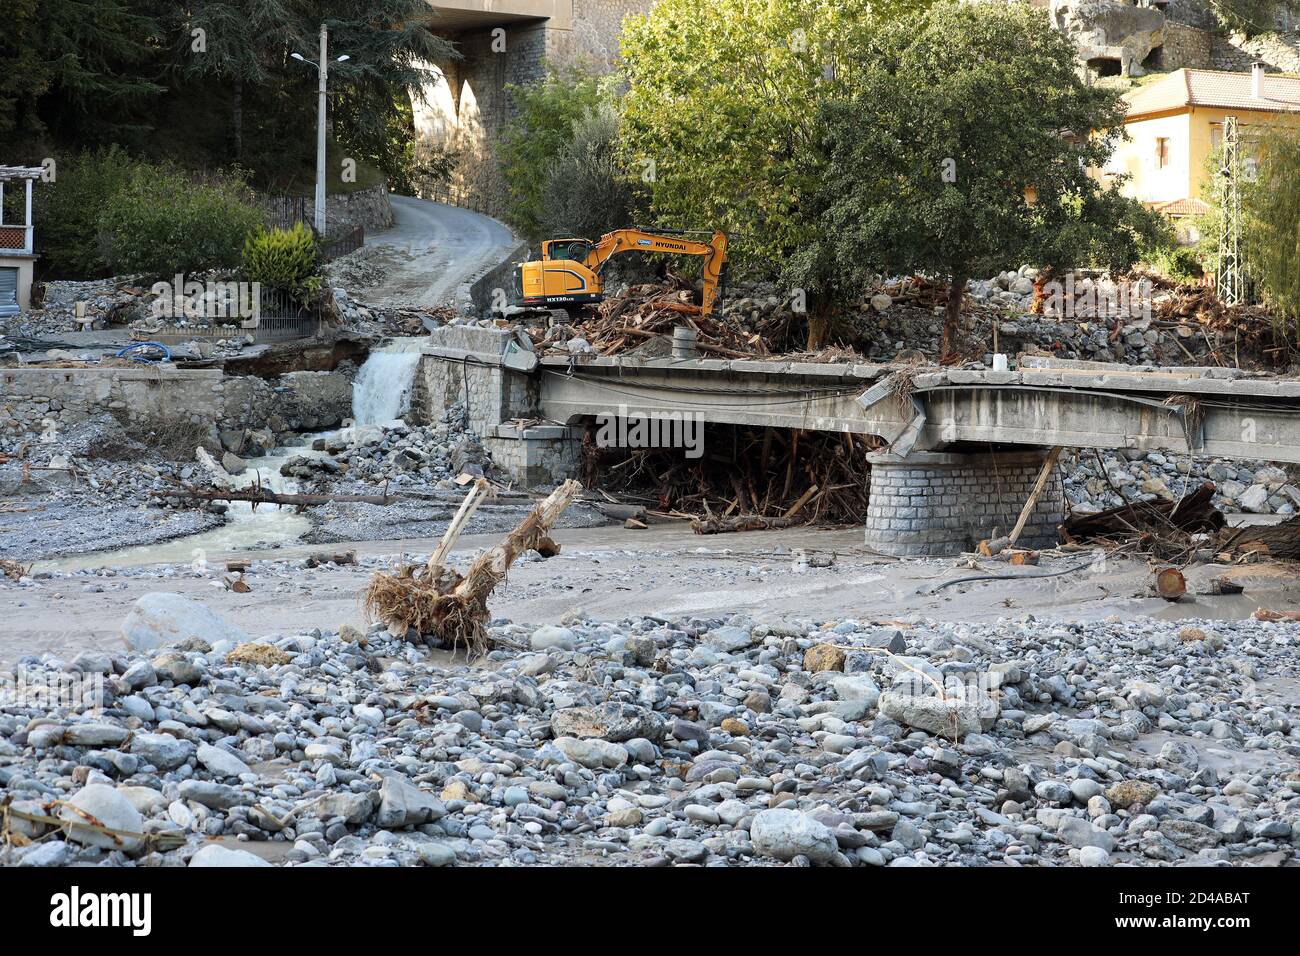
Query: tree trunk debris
{"points": [[447, 609]]}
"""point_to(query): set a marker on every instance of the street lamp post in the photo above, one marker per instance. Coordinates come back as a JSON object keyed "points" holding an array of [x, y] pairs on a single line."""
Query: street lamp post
{"points": [[323, 69]]}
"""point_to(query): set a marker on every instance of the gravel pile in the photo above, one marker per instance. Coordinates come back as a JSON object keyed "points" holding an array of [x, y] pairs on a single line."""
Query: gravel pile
{"points": [[115, 301], [647, 741]]}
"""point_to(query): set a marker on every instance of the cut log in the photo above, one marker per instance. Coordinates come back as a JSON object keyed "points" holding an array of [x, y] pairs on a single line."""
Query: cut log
{"points": [[1170, 584]]}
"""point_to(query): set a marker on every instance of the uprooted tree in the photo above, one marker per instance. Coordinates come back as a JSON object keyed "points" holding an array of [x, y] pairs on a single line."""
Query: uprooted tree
{"points": [[448, 609], [963, 147]]}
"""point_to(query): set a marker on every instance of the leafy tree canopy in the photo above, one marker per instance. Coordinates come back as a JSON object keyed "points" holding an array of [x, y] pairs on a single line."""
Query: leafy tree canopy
{"points": [[964, 145], [721, 111]]}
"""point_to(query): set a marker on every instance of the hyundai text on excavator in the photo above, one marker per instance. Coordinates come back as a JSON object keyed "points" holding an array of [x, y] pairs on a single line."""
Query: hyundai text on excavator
{"points": [[569, 274]]}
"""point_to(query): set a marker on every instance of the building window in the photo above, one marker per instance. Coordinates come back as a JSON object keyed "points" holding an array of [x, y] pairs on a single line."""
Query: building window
{"points": [[1162, 152]]}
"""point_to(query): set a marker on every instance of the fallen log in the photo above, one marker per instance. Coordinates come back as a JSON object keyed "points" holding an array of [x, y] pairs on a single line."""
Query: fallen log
{"points": [[262, 496], [325, 557], [1278, 541], [741, 523], [1194, 512]]}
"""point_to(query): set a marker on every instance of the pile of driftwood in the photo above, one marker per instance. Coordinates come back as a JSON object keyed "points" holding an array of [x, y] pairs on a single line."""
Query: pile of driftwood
{"points": [[442, 607], [649, 310], [1177, 530], [1231, 333], [1164, 528], [749, 478]]}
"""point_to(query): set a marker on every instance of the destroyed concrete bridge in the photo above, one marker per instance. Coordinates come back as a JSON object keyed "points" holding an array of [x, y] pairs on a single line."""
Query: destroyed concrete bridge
{"points": [[963, 447]]}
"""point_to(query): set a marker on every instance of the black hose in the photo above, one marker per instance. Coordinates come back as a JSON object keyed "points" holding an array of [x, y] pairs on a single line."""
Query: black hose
{"points": [[1008, 577]]}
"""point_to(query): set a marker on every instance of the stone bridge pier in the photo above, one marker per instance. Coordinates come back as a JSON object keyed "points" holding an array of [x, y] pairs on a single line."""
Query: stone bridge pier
{"points": [[944, 503]]}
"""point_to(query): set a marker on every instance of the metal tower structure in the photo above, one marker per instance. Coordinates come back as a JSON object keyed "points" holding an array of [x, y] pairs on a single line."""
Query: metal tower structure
{"points": [[1229, 280]]}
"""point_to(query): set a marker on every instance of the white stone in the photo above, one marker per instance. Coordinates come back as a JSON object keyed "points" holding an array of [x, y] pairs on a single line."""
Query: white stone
{"points": [[161, 617], [109, 808], [214, 855], [785, 834], [220, 763]]}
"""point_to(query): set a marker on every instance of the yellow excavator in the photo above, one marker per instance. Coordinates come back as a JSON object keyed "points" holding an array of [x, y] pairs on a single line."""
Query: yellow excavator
{"points": [[569, 274]]}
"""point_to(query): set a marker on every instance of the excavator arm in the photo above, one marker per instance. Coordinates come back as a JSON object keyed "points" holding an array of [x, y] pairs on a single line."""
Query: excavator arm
{"points": [[714, 253]]}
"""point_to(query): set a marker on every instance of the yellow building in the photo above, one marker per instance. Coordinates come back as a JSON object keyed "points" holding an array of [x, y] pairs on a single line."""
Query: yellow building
{"points": [[1176, 122]]}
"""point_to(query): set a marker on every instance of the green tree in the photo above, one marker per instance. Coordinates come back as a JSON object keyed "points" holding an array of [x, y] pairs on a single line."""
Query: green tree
{"points": [[721, 111], [67, 212], [964, 145], [234, 42], [540, 131], [75, 67], [392, 50], [163, 221], [586, 192], [1272, 214]]}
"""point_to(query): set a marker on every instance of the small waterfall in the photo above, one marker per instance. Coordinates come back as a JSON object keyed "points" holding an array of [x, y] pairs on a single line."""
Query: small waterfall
{"points": [[382, 390]]}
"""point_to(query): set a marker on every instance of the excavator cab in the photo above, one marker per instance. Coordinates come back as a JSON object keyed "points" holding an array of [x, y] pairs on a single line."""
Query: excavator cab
{"points": [[560, 279]]}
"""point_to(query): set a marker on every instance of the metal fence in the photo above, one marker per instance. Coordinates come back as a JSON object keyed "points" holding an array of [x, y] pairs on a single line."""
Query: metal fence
{"points": [[285, 212], [343, 243]]}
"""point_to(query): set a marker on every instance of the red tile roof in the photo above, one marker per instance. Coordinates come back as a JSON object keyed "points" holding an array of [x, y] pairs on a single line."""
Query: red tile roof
{"points": [[1214, 88]]}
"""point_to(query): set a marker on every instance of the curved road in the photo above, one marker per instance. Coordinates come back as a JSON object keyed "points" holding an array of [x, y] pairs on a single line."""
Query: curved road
{"points": [[431, 250]]}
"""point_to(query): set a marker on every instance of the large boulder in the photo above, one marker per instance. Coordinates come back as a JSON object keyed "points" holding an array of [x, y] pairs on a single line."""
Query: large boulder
{"points": [[106, 807], [161, 617], [953, 718], [785, 834], [402, 804], [1105, 30], [613, 721]]}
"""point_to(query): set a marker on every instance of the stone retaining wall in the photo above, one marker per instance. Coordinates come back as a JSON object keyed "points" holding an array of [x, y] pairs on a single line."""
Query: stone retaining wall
{"points": [[941, 504], [32, 398], [466, 365], [368, 208], [228, 408]]}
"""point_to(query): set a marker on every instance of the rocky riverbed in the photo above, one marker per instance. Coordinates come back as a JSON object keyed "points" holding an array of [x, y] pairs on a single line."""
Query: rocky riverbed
{"points": [[708, 739]]}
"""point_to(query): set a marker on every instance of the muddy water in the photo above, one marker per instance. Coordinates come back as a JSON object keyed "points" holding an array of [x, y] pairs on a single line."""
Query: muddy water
{"points": [[246, 528]]}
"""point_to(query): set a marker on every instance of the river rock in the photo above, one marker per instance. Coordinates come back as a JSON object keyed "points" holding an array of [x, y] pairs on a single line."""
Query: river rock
{"points": [[161, 617], [108, 808], [785, 834], [612, 721], [215, 855], [944, 718]]}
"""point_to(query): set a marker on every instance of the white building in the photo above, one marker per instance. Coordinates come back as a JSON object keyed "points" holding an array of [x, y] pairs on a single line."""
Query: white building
{"points": [[17, 253]]}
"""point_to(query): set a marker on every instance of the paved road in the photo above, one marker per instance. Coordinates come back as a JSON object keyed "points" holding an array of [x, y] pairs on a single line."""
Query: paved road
{"points": [[431, 250]]}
